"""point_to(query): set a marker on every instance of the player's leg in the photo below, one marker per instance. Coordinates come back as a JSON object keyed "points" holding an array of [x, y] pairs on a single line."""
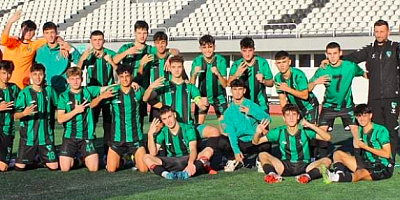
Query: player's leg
{"points": [[200, 115], [139, 159], [271, 163], [92, 162], [66, 163], [313, 170], [88, 150], [391, 113], [114, 157], [107, 120], [68, 150], [342, 159], [48, 155], [349, 119], [26, 156], [326, 118], [6, 144]]}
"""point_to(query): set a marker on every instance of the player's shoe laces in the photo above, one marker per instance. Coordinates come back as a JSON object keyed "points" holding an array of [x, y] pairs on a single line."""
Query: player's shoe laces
{"points": [[272, 178], [259, 167], [181, 175], [303, 178], [326, 174], [231, 165]]}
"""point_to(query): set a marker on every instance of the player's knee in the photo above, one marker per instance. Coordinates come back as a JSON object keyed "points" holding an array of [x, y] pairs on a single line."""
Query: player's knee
{"points": [[337, 155], [65, 168], [52, 166], [263, 156], [3, 167], [93, 168], [111, 169], [326, 161]]}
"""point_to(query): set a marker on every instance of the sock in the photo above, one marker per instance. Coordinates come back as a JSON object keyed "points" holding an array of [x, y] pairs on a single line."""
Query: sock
{"points": [[268, 169], [339, 167], [212, 142], [314, 173], [203, 160], [158, 169], [199, 165], [345, 177]]}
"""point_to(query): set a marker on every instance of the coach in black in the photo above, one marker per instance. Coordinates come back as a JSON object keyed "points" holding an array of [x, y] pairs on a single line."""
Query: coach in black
{"points": [[382, 62]]}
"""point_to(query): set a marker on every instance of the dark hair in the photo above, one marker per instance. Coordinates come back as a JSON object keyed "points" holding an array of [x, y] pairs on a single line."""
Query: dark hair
{"points": [[140, 24], [381, 23], [165, 109], [333, 45], [177, 58], [238, 83], [206, 39], [280, 55], [124, 68], [362, 109], [7, 66], [74, 71], [49, 26], [290, 107], [96, 33], [247, 42], [160, 35], [29, 25], [38, 67]]}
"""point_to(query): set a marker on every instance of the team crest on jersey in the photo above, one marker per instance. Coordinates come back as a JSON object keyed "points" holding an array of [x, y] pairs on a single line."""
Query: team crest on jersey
{"points": [[394, 106], [388, 53], [373, 56]]}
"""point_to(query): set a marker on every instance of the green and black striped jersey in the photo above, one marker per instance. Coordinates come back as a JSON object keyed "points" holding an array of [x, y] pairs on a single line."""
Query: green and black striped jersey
{"points": [[126, 125], [375, 138], [208, 83], [294, 148], [177, 145], [157, 68], [37, 129], [81, 126], [99, 71], [7, 117], [257, 91], [179, 97]]}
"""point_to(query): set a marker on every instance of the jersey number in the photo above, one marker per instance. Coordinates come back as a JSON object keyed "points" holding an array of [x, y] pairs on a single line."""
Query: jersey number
{"points": [[339, 80]]}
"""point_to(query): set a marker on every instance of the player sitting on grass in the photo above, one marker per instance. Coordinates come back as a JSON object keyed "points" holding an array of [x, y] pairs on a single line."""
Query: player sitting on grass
{"points": [[181, 145], [8, 94], [33, 108], [374, 162], [76, 114], [293, 142]]}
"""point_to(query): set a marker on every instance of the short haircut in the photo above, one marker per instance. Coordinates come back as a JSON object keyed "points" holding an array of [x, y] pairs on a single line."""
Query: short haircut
{"points": [[280, 55], [290, 108], [96, 33], [206, 39], [381, 23], [140, 24], [247, 42], [165, 109], [362, 109], [74, 71], [160, 35], [29, 25], [333, 45], [238, 83], [38, 67], [122, 68], [7, 66], [49, 26], [177, 58]]}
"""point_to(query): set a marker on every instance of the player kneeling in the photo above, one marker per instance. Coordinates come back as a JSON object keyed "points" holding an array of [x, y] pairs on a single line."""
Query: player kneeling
{"points": [[181, 145], [374, 161], [293, 140]]}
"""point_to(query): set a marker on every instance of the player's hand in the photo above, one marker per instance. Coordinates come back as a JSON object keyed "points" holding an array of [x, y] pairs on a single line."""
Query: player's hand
{"points": [[167, 65], [203, 103], [259, 77], [154, 127], [324, 63], [241, 69], [323, 80], [362, 145], [29, 110], [197, 70], [191, 168], [6, 105], [108, 58], [262, 126], [239, 157], [63, 45], [107, 94], [284, 87], [244, 109], [86, 53], [157, 83], [135, 86], [146, 59], [15, 17], [132, 51], [98, 54], [80, 108], [215, 70], [305, 123]]}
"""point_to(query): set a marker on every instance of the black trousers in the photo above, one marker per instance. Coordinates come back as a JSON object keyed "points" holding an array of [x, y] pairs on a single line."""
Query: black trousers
{"points": [[386, 112], [224, 146]]}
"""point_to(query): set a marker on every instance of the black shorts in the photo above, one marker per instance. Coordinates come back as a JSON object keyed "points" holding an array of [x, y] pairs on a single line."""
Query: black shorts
{"points": [[6, 144], [26, 154], [71, 147], [328, 115], [122, 148], [311, 115], [293, 169], [174, 163], [219, 109], [377, 171]]}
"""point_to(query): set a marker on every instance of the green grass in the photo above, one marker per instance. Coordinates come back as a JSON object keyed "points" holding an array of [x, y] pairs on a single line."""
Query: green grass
{"points": [[128, 184]]}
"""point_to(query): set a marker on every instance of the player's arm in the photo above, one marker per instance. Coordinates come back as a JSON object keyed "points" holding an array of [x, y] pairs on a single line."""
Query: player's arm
{"points": [[109, 60], [318, 79], [104, 95], [6, 32], [150, 94], [84, 56], [321, 134], [358, 56], [144, 61], [239, 71], [303, 94], [64, 117], [384, 152], [221, 78], [130, 51], [191, 168], [282, 100], [151, 144], [27, 111]]}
